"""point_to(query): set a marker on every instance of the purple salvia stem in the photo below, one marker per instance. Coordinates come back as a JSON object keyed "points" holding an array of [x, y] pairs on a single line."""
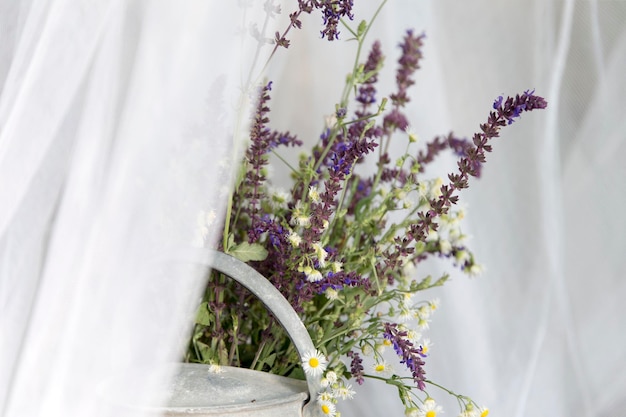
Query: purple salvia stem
{"points": [[410, 354], [505, 112]]}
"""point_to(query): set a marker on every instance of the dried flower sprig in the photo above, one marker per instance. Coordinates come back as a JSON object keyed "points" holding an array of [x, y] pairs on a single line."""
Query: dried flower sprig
{"points": [[343, 243]]}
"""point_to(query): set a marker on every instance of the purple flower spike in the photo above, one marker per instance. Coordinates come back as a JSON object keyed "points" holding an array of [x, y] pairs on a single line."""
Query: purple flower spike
{"points": [[410, 354]]}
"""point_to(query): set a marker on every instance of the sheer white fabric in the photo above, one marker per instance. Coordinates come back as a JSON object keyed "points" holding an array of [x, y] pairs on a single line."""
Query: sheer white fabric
{"points": [[116, 119], [110, 143]]}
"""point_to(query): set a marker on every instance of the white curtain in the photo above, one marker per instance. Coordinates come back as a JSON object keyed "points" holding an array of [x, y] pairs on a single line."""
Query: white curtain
{"points": [[110, 142], [116, 120]]}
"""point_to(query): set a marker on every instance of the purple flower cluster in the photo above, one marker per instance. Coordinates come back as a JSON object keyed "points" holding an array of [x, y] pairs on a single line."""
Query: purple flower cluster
{"points": [[263, 140], [332, 12], [438, 144], [407, 65], [411, 355], [367, 91], [356, 366], [505, 111]]}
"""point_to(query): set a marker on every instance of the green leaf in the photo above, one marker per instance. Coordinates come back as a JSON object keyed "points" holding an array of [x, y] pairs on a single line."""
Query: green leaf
{"points": [[249, 252], [362, 27], [298, 373], [205, 352], [269, 361], [204, 316]]}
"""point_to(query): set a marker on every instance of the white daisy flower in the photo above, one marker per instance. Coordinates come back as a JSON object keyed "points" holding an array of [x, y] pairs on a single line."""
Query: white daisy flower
{"points": [[445, 246], [462, 256], [279, 197], [314, 275], [304, 221], [321, 253], [331, 376], [344, 392], [314, 363], [405, 314], [429, 409], [425, 345], [331, 294], [475, 270], [294, 239], [432, 235], [423, 323], [215, 369], [413, 336], [325, 397], [367, 350], [328, 409], [411, 412], [382, 368], [314, 194]]}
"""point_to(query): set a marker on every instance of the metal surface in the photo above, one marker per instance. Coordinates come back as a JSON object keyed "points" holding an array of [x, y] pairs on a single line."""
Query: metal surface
{"points": [[233, 392], [264, 387]]}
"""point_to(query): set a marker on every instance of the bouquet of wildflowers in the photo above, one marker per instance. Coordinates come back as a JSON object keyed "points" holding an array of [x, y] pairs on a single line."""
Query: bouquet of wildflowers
{"points": [[343, 242]]}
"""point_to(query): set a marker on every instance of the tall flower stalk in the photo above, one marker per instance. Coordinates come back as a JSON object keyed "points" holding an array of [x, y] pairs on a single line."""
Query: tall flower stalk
{"points": [[343, 242]]}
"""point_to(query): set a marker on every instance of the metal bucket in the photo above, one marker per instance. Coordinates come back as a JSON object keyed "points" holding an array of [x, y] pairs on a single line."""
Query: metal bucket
{"points": [[243, 392], [198, 391]]}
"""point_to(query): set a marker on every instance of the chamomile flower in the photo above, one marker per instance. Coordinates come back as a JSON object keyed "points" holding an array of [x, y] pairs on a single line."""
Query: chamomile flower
{"points": [[321, 253], [331, 376], [413, 336], [215, 369], [429, 409], [411, 412], [302, 220], [405, 314], [423, 323], [314, 363], [425, 346], [294, 239], [367, 350], [314, 194], [424, 311], [462, 256], [279, 197], [411, 133], [484, 411], [314, 275], [434, 304], [382, 368], [344, 392], [445, 246], [432, 235], [328, 409], [475, 270], [331, 294], [325, 397]]}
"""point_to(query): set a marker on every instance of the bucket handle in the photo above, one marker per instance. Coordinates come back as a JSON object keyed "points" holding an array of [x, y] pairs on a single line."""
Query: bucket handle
{"points": [[275, 302]]}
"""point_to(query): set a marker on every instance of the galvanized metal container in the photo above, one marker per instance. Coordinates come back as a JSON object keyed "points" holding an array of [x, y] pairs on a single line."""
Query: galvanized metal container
{"points": [[199, 391]]}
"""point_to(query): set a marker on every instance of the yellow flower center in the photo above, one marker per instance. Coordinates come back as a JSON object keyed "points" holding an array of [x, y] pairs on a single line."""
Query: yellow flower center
{"points": [[484, 413], [424, 349], [380, 367], [431, 413], [387, 342], [325, 409], [314, 362]]}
